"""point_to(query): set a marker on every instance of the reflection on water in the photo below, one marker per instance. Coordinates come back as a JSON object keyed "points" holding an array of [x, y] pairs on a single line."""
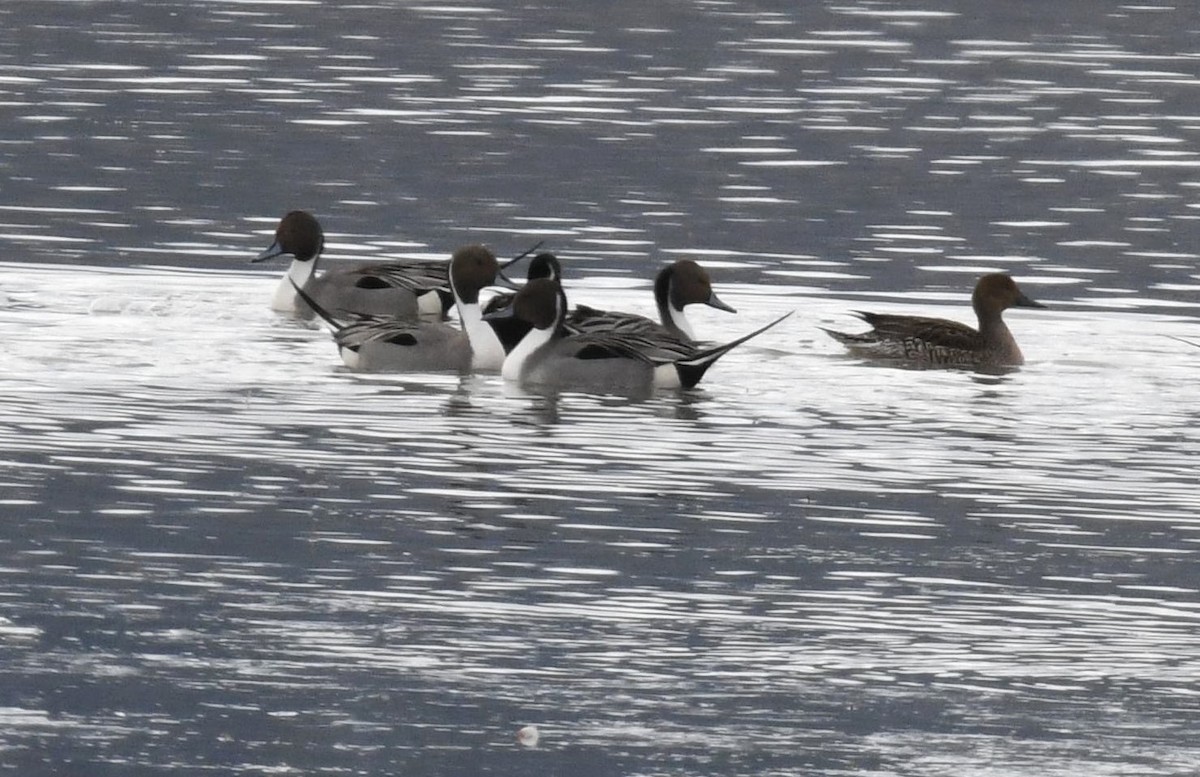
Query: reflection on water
{"points": [[223, 552], [219, 536]]}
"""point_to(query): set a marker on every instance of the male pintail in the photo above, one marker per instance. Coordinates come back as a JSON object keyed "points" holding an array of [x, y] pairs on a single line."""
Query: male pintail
{"points": [[391, 344], [682, 283], [404, 288], [610, 360]]}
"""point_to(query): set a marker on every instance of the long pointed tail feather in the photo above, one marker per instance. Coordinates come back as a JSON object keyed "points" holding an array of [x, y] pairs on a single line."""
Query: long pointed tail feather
{"points": [[692, 369], [320, 311]]}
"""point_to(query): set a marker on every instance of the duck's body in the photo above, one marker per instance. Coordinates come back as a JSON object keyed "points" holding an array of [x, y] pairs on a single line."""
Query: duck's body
{"points": [[610, 360], [937, 342], [405, 288], [396, 344]]}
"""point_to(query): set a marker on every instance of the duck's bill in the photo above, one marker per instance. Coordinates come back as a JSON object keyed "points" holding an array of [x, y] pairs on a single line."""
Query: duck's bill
{"points": [[272, 252], [1026, 302], [716, 302]]}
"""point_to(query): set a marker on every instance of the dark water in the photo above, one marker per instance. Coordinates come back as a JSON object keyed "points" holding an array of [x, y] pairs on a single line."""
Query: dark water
{"points": [[224, 554]]}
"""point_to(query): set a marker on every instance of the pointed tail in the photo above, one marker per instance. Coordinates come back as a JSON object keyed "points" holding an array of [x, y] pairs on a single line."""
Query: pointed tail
{"points": [[336, 325], [692, 369]]}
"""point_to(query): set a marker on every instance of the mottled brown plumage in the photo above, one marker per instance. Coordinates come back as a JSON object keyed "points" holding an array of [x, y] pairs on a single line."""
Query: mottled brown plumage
{"points": [[937, 342]]}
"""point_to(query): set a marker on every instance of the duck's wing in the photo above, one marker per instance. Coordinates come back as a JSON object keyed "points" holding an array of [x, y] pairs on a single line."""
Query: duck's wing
{"points": [[353, 330], [588, 319], [363, 329], [416, 276], [620, 344], [931, 340], [939, 331]]}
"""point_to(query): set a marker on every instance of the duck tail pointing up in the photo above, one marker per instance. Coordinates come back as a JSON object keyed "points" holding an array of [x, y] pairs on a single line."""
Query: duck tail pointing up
{"points": [[692, 369]]}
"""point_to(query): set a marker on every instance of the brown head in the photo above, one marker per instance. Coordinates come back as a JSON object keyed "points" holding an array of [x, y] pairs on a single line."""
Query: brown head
{"points": [[299, 234], [540, 303], [997, 292], [686, 283], [472, 268]]}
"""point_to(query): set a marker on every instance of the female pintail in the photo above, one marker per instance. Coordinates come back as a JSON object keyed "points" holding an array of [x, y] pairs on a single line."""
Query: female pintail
{"points": [[936, 342], [605, 360]]}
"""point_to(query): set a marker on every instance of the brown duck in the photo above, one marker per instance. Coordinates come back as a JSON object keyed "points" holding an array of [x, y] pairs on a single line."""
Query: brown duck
{"points": [[937, 342]]}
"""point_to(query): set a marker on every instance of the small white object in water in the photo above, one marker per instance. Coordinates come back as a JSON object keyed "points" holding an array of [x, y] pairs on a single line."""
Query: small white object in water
{"points": [[527, 736]]}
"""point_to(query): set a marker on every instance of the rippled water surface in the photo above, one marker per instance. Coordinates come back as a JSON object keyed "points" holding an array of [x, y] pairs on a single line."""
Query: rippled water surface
{"points": [[222, 552]]}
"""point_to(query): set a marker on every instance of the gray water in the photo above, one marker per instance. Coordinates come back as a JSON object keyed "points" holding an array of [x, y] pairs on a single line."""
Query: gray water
{"points": [[223, 553]]}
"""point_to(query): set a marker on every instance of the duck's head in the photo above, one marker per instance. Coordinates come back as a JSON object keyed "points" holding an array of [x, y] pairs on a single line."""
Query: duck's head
{"points": [[544, 265], [540, 303], [299, 234], [684, 283], [472, 269], [998, 292]]}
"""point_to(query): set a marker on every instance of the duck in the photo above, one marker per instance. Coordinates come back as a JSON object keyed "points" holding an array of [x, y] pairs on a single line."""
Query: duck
{"points": [[604, 360], [405, 288], [677, 285], [373, 343], [542, 265], [937, 342]]}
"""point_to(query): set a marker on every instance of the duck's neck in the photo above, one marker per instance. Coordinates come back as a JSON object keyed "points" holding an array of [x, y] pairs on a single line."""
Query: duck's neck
{"points": [[299, 273], [998, 338], [675, 319], [672, 318], [486, 351], [534, 340]]}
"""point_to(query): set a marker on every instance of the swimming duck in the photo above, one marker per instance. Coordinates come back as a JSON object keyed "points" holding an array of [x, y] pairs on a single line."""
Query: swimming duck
{"points": [[605, 360], [542, 265], [936, 342], [394, 288], [372, 343], [679, 284]]}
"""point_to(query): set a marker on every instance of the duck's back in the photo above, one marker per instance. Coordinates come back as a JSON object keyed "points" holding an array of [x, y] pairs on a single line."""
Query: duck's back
{"points": [[402, 289], [429, 347], [929, 341]]}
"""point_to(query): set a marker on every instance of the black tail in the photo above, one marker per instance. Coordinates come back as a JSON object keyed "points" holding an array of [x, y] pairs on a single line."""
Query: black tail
{"points": [[692, 369], [320, 311], [523, 254]]}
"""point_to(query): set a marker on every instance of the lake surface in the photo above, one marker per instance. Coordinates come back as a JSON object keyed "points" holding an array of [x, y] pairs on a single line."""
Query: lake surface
{"points": [[224, 553]]}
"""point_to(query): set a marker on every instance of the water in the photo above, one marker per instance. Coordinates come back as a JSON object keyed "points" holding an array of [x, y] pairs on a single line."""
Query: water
{"points": [[222, 552]]}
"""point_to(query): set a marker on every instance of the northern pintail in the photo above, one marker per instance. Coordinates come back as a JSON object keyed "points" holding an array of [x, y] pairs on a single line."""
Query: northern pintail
{"points": [[679, 284], [390, 344], [542, 265], [936, 342], [605, 360], [393, 288]]}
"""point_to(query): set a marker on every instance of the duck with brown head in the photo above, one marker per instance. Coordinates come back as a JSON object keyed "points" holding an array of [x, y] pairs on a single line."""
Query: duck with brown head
{"points": [[679, 284], [394, 288], [609, 361], [937, 342], [391, 344]]}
